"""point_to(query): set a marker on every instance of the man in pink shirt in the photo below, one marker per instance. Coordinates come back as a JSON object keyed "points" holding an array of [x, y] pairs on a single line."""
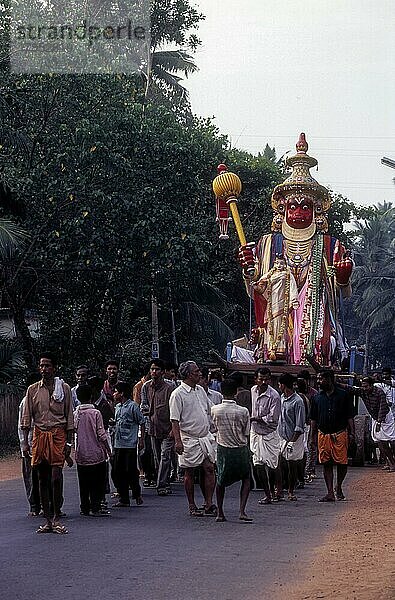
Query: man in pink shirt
{"points": [[92, 450]]}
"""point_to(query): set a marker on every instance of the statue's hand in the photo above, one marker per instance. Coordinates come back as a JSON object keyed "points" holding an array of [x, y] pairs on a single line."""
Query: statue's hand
{"points": [[246, 256], [254, 337], [343, 269]]}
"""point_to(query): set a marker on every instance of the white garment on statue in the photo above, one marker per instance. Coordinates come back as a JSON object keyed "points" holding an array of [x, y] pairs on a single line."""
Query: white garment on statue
{"points": [[196, 450], [242, 355], [265, 448], [297, 449], [387, 430]]}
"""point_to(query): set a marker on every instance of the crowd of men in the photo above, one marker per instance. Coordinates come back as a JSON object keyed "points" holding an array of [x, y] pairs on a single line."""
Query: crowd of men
{"points": [[187, 425]]}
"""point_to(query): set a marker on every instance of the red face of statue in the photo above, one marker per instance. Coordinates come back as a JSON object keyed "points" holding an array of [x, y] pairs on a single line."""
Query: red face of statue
{"points": [[299, 214]]}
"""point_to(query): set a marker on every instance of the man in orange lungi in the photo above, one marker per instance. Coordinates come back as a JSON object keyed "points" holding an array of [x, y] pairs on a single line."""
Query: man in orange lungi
{"points": [[332, 413], [49, 406]]}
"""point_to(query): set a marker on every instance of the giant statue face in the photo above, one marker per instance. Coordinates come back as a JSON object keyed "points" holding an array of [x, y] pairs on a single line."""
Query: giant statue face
{"points": [[299, 212]]}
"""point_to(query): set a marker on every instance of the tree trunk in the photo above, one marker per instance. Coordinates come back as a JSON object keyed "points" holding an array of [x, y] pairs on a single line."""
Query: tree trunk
{"points": [[22, 330], [173, 331]]}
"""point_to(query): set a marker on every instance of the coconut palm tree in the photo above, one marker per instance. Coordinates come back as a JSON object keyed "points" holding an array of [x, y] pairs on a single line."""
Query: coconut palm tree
{"points": [[163, 79], [374, 274], [165, 69]]}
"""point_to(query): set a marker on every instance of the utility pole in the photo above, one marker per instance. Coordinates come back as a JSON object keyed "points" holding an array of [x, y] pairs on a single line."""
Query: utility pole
{"points": [[155, 328], [173, 330]]}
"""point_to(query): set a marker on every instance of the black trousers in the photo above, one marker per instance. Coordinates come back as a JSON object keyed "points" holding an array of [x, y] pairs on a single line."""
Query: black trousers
{"points": [[91, 480], [147, 461], [126, 473]]}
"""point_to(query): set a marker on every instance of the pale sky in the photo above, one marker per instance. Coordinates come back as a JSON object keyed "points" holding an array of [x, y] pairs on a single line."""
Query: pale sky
{"points": [[270, 69]]}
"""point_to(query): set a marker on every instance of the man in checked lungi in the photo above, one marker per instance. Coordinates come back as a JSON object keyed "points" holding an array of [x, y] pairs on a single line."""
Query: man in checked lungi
{"points": [[233, 454]]}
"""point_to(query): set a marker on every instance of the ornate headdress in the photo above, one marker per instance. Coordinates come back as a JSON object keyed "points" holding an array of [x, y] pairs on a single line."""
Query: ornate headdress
{"points": [[301, 184]]}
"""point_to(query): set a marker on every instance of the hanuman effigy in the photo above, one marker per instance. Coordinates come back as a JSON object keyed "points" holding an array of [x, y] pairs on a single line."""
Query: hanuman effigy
{"points": [[299, 274]]}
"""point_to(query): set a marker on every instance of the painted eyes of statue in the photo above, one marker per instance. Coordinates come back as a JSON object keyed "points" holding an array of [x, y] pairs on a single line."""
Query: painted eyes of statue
{"points": [[294, 207]]}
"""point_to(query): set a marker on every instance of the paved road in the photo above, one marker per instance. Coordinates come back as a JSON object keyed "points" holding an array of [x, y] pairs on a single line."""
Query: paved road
{"points": [[157, 551]]}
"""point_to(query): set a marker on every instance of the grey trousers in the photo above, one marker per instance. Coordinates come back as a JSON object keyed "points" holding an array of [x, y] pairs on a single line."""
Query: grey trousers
{"points": [[163, 455], [30, 480]]}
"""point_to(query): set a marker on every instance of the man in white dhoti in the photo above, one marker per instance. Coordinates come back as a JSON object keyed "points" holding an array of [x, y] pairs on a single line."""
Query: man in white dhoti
{"points": [[264, 439], [195, 445], [388, 386], [383, 425]]}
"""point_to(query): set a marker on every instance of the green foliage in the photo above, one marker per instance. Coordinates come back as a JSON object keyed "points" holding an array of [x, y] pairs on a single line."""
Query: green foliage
{"points": [[174, 22], [12, 367], [374, 277]]}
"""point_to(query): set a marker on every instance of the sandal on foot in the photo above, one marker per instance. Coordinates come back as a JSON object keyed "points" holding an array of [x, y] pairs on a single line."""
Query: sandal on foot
{"points": [[120, 505], [292, 497], [60, 529], [245, 519], [211, 511], [264, 501], [139, 501], [47, 528], [194, 511], [340, 496], [220, 519], [326, 499]]}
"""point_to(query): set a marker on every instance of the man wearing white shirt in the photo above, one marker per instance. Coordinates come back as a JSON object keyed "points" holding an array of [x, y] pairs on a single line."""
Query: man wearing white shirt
{"points": [[30, 475], [388, 387], [291, 429], [195, 445], [81, 376], [264, 439], [233, 455]]}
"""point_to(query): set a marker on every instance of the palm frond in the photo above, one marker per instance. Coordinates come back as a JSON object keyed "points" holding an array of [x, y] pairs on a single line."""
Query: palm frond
{"points": [[201, 319], [11, 138], [12, 363], [174, 61], [12, 237]]}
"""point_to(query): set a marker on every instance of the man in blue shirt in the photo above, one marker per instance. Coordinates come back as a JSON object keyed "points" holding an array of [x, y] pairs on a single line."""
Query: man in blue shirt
{"points": [[128, 419], [291, 428]]}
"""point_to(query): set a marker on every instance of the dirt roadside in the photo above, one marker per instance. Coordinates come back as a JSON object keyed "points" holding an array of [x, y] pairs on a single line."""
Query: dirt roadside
{"points": [[10, 467], [356, 561]]}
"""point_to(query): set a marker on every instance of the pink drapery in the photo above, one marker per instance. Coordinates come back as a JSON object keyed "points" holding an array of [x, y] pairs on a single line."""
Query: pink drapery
{"points": [[298, 315]]}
